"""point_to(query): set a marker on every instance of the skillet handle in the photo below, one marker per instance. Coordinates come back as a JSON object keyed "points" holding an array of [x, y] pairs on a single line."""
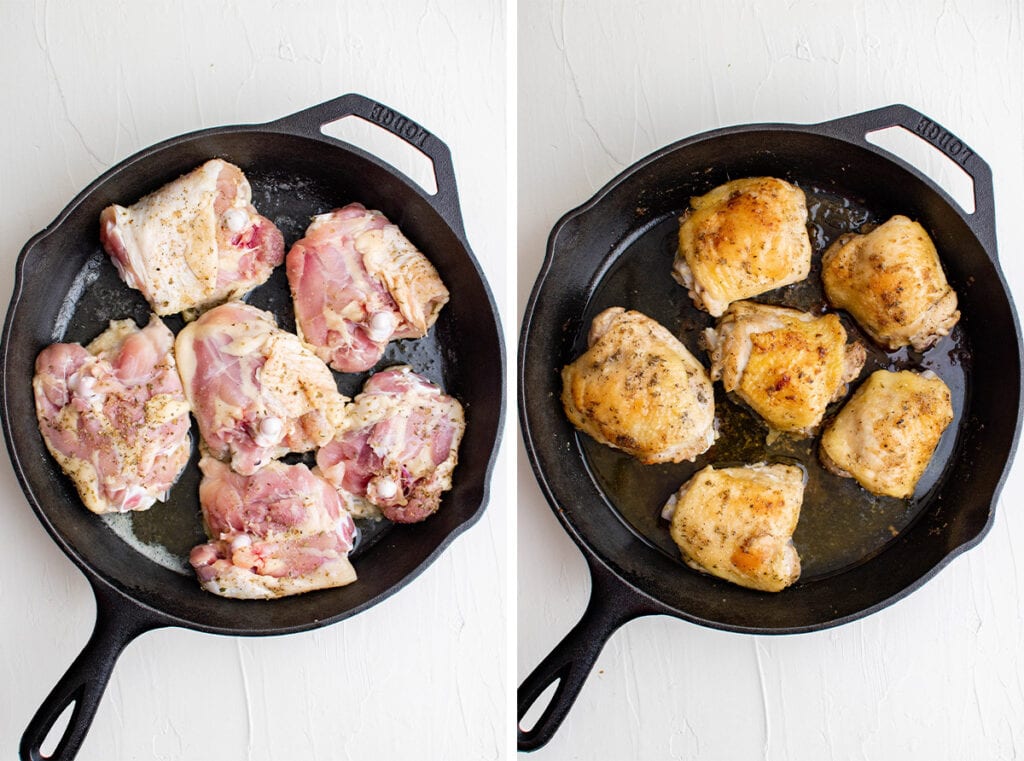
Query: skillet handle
{"points": [[118, 622], [854, 129], [309, 123], [611, 605]]}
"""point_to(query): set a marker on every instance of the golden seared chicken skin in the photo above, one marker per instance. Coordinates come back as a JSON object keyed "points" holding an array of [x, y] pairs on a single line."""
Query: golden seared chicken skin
{"points": [[892, 282], [738, 523], [885, 436], [787, 365], [638, 389], [742, 239]]}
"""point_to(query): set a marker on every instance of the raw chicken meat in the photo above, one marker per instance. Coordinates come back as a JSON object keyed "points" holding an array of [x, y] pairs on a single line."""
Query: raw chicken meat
{"points": [[257, 391], [741, 239], [638, 389], [397, 449], [358, 283], [194, 243], [885, 436], [891, 281], [738, 523], [279, 532], [786, 364], [114, 415]]}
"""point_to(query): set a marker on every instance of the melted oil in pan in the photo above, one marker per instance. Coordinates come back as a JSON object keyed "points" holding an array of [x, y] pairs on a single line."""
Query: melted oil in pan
{"points": [[841, 524]]}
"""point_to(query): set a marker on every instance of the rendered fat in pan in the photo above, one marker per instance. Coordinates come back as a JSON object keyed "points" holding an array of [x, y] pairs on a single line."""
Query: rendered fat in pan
{"points": [[67, 290], [859, 553]]}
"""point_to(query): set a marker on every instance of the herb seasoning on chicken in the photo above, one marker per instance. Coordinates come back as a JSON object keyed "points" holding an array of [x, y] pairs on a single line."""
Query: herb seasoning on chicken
{"points": [[742, 239], [638, 389]]}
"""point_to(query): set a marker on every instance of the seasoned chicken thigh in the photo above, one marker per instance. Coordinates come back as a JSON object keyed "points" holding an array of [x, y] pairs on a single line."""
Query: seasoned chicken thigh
{"points": [[114, 415], [638, 389], [892, 282], [885, 436], [358, 283], [786, 364], [194, 243], [397, 448], [257, 391], [741, 239], [738, 524], [279, 532]]}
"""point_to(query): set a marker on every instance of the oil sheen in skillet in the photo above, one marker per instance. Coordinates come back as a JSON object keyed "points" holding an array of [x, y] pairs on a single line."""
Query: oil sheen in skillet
{"points": [[841, 524], [167, 532]]}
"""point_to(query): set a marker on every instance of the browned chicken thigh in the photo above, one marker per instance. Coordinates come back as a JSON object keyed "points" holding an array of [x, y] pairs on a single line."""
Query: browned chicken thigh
{"points": [[738, 523], [786, 364], [892, 282], [741, 239], [638, 389], [886, 434]]}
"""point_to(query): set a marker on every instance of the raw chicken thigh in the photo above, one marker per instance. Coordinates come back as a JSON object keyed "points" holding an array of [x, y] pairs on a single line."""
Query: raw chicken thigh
{"points": [[741, 239], [279, 532], [886, 434], [114, 415], [257, 391], [738, 523], [786, 364], [638, 389], [892, 282], [397, 449], [194, 243], [358, 283]]}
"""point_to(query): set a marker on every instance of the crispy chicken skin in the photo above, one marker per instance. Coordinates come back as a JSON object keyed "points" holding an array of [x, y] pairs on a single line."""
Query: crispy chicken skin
{"points": [[786, 364], [738, 523], [892, 282], [886, 434], [742, 239], [638, 389]]}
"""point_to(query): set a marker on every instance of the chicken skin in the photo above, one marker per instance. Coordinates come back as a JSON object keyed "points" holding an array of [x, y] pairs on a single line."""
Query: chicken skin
{"points": [[742, 239], [786, 364], [892, 282], [281, 531], [638, 389], [257, 391], [885, 436], [114, 415], [738, 523], [194, 243], [396, 451], [357, 283]]}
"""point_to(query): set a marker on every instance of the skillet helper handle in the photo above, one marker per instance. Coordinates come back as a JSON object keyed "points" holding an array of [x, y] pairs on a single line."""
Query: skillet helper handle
{"points": [[118, 622], [855, 128], [611, 605], [310, 122]]}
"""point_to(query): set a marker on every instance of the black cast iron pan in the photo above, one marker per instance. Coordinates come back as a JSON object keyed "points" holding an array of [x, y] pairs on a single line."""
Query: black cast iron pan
{"points": [[858, 553], [67, 290]]}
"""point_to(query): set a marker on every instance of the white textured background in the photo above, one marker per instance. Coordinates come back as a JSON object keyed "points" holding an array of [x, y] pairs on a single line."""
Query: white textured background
{"points": [[84, 85], [937, 676]]}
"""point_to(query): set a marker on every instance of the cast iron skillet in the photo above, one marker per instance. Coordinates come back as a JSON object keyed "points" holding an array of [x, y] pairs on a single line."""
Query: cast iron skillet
{"points": [[859, 553], [66, 290]]}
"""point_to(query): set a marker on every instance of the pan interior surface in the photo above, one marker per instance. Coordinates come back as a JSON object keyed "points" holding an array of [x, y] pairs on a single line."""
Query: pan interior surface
{"points": [[859, 552], [70, 290]]}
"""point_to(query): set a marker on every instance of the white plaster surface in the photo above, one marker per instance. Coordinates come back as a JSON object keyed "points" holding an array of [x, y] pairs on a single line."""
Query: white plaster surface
{"points": [[939, 675], [84, 85]]}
